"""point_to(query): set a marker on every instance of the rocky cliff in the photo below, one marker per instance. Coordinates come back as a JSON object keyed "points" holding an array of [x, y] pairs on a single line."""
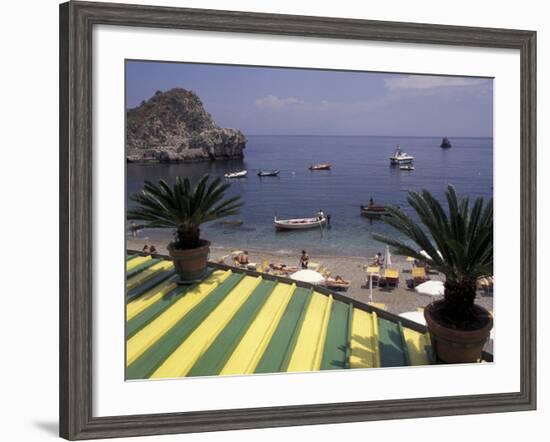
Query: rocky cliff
{"points": [[174, 126]]}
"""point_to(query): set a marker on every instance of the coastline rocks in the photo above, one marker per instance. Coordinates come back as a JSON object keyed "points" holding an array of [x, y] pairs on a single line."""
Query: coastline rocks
{"points": [[173, 126]]}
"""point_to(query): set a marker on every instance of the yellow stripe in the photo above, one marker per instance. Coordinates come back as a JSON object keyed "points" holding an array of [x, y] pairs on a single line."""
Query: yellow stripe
{"points": [[147, 273], [323, 336], [251, 348], [136, 261], [151, 333], [311, 338], [364, 340], [416, 345], [182, 360], [135, 307]]}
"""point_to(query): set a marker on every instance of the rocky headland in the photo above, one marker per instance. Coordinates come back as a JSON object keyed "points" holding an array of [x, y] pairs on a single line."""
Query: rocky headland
{"points": [[173, 126]]}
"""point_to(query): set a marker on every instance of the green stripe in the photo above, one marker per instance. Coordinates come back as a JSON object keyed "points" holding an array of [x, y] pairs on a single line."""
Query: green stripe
{"points": [[349, 335], [336, 343], [148, 284], [130, 257], [278, 352], [141, 267], [406, 355], [217, 355], [148, 362], [391, 344]]}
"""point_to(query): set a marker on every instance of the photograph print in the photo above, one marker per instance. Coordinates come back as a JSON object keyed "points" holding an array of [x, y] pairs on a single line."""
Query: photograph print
{"points": [[295, 220]]}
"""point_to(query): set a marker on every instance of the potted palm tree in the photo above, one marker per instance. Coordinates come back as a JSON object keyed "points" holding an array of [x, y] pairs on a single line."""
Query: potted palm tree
{"points": [[184, 208], [459, 243]]}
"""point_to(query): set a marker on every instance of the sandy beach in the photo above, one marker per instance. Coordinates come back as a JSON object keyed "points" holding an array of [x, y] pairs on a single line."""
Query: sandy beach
{"points": [[396, 300]]}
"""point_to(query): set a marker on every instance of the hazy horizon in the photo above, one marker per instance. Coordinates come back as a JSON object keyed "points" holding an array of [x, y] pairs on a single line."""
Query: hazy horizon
{"points": [[308, 102]]}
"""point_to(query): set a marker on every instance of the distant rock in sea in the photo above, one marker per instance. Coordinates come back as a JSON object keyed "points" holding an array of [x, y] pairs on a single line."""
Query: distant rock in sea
{"points": [[173, 126]]}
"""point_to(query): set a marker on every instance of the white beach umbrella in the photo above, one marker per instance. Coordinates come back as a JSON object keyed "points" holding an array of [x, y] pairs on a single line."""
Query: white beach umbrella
{"points": [[308, 276], [387, 257], [431, 288], [414, 316]]}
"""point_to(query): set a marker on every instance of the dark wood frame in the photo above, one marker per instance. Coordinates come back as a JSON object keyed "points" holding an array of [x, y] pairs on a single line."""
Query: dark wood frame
{"points": [[76, 23]]}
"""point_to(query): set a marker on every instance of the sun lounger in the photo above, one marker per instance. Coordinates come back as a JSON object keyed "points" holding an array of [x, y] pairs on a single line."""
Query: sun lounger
{"points": [[419, 275], [392, 277], [373, 272]]}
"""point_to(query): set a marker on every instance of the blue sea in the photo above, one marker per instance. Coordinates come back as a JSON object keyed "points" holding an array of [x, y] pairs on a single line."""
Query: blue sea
{"points": [[360, 170]]}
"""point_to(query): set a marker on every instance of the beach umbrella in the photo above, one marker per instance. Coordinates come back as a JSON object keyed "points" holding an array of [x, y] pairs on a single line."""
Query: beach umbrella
{"points": [[309, 276], [387, 257], [414, 316], [431, 288]]}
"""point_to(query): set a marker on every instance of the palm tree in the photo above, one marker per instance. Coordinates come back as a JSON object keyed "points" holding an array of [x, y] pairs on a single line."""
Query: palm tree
{"points": [[459, 244], [183, 208]]}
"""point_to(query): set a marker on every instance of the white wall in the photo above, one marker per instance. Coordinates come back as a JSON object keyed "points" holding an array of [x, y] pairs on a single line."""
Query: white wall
{"points": [[28, 174]]}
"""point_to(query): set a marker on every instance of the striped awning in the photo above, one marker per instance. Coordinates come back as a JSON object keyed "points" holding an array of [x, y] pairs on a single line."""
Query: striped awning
{"points": [[241, 322]]}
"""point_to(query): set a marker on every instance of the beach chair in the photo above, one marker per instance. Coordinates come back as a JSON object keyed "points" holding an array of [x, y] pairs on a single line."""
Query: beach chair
{"points": [[419, 275], [392, 277], [373, 272]]}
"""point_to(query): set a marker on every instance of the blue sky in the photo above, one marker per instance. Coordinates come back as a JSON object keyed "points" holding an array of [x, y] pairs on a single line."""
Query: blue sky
{"points": [[279, 101]]}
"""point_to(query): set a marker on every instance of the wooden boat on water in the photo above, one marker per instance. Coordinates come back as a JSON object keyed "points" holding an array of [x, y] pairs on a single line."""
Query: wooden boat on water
{"points": [[241, 174], [263, 173], [321, 166], [299, 223], [374, 210]]}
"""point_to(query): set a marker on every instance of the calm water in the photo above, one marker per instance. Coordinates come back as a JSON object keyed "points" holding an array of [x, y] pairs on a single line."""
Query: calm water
{"points": [[360, 170]]}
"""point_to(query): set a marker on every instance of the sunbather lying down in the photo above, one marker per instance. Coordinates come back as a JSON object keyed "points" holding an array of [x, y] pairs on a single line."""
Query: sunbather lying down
{"points": [[283, 267]]}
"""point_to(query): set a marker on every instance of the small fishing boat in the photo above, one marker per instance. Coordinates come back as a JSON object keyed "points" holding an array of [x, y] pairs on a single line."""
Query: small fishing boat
{"points": [[400, 157], [373, 210], [241, 174], [321, 166], [263, 173], [299, 223], [406, 167], [445, 143]]}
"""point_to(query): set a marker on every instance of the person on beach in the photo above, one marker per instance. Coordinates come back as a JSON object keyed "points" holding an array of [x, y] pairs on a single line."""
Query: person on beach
{"points": [[304, 260], [152, 250], [328, 219], [378, 259], [243, 259], [145, 251]]}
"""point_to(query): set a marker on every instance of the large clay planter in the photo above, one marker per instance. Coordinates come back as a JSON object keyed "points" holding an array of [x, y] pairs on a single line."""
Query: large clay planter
{"points": [[190, 264], [457, 346]]}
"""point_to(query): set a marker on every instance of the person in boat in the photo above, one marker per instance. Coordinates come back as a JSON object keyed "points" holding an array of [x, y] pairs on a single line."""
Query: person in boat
{"points": [[145, 251], [320, 214], [304, 260], [371, 202]]}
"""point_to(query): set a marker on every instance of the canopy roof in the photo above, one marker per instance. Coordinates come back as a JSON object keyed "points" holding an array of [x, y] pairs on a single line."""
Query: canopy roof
{"points": [[242, 322]]}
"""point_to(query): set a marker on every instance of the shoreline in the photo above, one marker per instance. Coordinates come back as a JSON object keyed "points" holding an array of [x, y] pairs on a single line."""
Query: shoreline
{"points": [[396, 300]]}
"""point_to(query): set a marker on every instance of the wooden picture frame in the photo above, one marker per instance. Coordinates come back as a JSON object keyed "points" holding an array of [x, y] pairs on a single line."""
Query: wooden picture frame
{"points": [[76, 243]]}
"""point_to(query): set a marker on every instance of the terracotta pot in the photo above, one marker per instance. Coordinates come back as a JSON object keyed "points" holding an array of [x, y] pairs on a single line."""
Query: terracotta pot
{"points": [[190, 264], [457, 346]]}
